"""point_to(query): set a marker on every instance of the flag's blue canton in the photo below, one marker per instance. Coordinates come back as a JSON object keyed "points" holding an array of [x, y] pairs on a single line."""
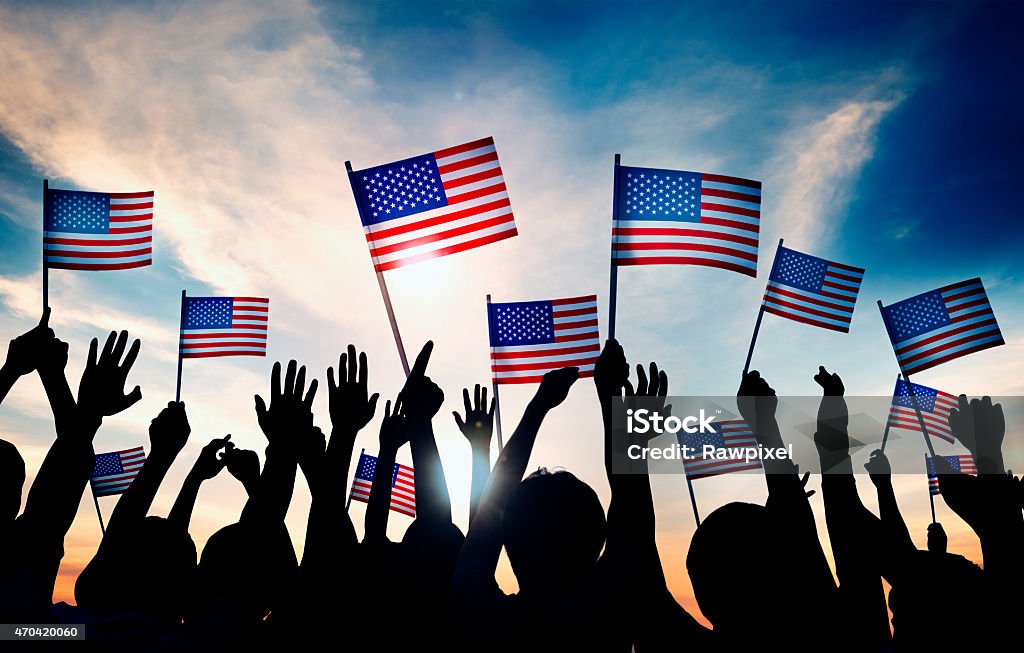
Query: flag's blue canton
{"points": [[522, 323], [800, 270], [208, 312], [954, 462], [399, 189], [925, 396], [917, 315], [108, 464], [653, 194], [696, 441], [367, 466], [72, 211]]}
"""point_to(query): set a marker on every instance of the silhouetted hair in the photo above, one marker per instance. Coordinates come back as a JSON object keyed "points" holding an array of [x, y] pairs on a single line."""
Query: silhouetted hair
{"points": [[554, 528], [12, 480]]}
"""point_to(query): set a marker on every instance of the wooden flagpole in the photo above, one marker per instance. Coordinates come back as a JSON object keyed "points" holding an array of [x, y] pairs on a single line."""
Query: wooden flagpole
{"points": [[760, 313], [46, 269], [348, 502], [910, 386], [103, 529], [181, 326], [380, 275], [494, 380], [613, 285], [885, 435]]}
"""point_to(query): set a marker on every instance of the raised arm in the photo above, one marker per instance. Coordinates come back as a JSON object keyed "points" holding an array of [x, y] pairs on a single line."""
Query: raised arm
{"points": [[421, 399], [394, 432], [207, 466], [896, 541], [477, 426], [23, 354]]}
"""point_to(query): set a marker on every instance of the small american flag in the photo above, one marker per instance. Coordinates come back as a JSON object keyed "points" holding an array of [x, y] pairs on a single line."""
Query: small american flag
{"points": [[434, 205], [403, 485], [732, 436], [115, 471], [938, 326], [97, 231], [529, 339], [812, 290], [962, 464], [688, 218], [224, 326], [934, 404]]}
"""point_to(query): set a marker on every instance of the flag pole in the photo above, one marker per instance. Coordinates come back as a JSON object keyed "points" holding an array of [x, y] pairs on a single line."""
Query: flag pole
{"points": [[380, 275], [760, 313], [348, 501], [910, 386], [693, 497], [46, 269], [931, 497], [613, 284], [103, 529], [181, 327], [888, 420], [494, 381]]}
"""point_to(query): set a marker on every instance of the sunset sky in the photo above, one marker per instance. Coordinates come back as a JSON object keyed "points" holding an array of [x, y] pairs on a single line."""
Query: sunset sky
{"points": [[887, 136]]}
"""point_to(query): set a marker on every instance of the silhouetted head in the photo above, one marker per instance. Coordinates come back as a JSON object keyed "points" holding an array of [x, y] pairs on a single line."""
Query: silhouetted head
{"points": [[429, 554], [739, 565], [160, 558], [554, 529], [12, 480], [930, 583], [246, 566]]}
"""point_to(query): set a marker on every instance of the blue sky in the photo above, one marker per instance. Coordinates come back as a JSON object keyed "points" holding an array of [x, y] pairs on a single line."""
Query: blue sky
{"points": [[887, 136]]}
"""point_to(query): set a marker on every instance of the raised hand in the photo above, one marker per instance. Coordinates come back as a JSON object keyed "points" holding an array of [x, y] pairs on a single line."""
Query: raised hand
{"points": [[878, 468], [479, 422], [421, 397], [980, 426], [169, 431], [554, 387], [611, 372], [936, 539], [351, 407], [756, 399], [290, 415], [243, 464], [830, 383], [394, 429], [101, 391], [211, 460], [25, 351]]}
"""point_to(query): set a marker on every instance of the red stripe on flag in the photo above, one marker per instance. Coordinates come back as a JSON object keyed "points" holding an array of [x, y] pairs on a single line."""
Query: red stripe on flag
{"points": [[562, 326], [697, 233], [726, 208], [844, 277], [469, 179], [807, 320], [467, 163], [686, 260], [781, 291], [723, 222], [534, 353], [569, 337], [129, 207], [261, 300], [736, 181], [461, 247], [574, 312], [465, 147], [208, 345], [213, 354], [443, 235], [729, 194], [121, 254], [848, 268], [956, 354], [691, 247], [375, 235], [99, 266], [130, 196], [131, 230], [103, 243], [962, 284], [479, 192], [953, 343], [226, 334], [535, 379], [953, 332], [566, 301]]}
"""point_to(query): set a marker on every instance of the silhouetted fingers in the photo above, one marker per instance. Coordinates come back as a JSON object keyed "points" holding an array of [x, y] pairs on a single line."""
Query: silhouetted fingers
{"points": [[629, 389], [458, 420], [483, 398], [353, 361], [641, 381], [44, 321], [310, 395], [275, 382], [331, 385], [93, 346], [300, 381], [108, 346], [662, 384], [465, 401], [119, 346], [289, 379], [419, 368], [133, 353], [363, 370]]}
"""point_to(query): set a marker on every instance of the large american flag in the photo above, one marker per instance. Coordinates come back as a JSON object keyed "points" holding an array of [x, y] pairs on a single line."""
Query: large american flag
{"points": [[733, 436], [97, 231], [433, 205], [403, 485], [529, 339], [693, 218], [938, 326], [224, 326], [934, 404], [812, 290], [115, 471], [962, 464]]}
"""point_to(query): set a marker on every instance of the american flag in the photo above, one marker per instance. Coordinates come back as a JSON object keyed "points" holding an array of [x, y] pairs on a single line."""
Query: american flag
{"points": [[812, 290], [529, 339], [114, 471], [403, 485], [938, 326], [690, 218], [934, 404], [434, 205], [97, 231], [733, 436], [224, 326], [962, 464]]}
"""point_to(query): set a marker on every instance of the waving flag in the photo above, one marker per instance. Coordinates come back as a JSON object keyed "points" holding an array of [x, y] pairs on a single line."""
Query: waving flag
{"points": [[434, 205], [403, 485], [938, 326], [224, 326], [686, 218], [962, 464], [97, 231], [529, 339], [115, 471], [812, 290], [934, 404], [732, 440]]}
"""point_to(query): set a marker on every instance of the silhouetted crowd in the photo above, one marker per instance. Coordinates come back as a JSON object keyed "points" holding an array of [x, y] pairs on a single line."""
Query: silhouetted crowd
{"points": [[589, 579]]}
